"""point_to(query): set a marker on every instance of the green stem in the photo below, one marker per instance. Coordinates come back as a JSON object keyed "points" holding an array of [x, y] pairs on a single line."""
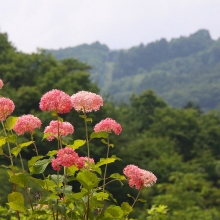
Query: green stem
{"points": [[9, 150], [87, 210], [106, 166], [22, 164], [29, 198], [135, 200], [87, 137]]}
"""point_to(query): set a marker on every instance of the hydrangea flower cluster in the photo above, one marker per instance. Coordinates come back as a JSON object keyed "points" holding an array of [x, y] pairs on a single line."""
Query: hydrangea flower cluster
{"points": [[65, 128], [139, 178], [1, 84], [6, 108], [57, 101], [26, 123], [108, 125], [85, 161], [68, 157], [86, 101]]}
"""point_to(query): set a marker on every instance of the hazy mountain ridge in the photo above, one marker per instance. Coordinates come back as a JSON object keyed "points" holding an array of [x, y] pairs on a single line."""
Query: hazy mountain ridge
{"points": [[181, 70]]}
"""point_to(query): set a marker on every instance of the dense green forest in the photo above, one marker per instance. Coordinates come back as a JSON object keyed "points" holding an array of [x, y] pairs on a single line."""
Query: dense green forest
{"points": [[181, 146], [181, 70]]}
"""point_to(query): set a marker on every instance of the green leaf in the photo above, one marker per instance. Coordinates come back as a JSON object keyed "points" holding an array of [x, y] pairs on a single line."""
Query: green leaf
{"points": [[26, 144], [2, 140], [101, 196], [101, 134], [77, 144], [88, 179], [142, 200], [51, 153], [104, 141], [11, 138], [16, 150], [104, 161], [60, 119], [16, 202], [57, 179], [67, 190], [89, 119], [76, 196], [1, 151], [10, 122], [33, 160], [40, 166], [46, 135], [114, 211], [126, 208], [118, 176], [19, 179]]}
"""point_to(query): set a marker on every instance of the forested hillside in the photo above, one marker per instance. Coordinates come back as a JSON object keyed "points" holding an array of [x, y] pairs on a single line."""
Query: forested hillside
{"points": [[181, 146], [181, 70]]}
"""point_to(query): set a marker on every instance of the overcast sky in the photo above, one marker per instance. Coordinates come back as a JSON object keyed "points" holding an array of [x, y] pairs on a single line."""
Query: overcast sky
{"points": [[120, 24]]}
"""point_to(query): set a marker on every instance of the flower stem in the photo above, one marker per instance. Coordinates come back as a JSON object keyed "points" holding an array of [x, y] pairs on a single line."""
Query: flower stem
{"points": [[87, 137], [106, 166], [9, 150]]}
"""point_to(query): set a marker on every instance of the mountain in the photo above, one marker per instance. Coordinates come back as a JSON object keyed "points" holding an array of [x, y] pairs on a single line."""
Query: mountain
{"points": [[180, 70]]}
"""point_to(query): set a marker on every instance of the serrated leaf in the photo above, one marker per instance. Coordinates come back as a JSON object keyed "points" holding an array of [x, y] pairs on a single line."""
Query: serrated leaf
{"points": [[101, 134], [57, 179], [10, 122], [19, 179]]}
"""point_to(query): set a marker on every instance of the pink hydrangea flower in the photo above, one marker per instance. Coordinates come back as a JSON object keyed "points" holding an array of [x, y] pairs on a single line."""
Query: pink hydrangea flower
{"points": [[1, 84], [56, 100], [26, 123], [84, 162], [108, 125], [65, 128], [139, 178], [6, 108], [67, 157], [86, 101]]}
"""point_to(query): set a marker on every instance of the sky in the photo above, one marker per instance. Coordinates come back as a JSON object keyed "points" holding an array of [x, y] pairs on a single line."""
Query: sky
{"points": [[120, 24]]}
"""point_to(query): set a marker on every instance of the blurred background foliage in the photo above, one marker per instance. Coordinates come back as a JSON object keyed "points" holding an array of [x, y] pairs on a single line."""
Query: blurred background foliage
{"points": [[181, 146]]}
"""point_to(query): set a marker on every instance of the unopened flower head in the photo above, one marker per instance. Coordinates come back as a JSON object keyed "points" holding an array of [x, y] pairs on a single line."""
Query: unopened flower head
{"points": [[65, 128], [108, 125], [86, 101], [57, 101], [26, 123], [6, 108], [1, 84], [139, 178]]}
